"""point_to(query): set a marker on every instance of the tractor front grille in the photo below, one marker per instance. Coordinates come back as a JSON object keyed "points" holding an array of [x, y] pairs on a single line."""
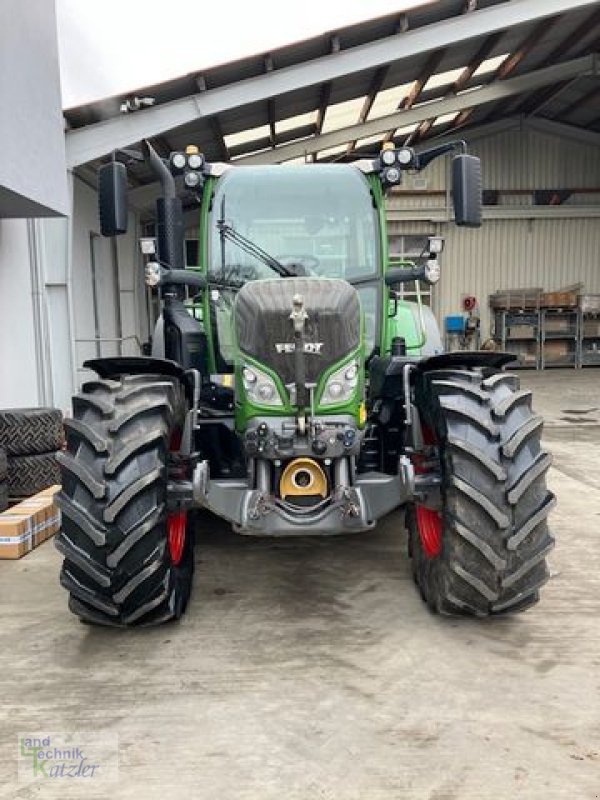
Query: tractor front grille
{"points": [[266, 332]]}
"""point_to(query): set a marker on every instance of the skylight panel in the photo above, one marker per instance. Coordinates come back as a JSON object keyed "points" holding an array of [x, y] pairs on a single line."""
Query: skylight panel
{"points": [[249, 135], [388, 100], [444, 78], [343, 114], [490, 64], [297, 121]]}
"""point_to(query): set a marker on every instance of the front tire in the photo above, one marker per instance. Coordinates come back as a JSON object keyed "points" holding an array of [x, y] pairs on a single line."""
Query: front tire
{"points": [[486, 553], [127, 560]]}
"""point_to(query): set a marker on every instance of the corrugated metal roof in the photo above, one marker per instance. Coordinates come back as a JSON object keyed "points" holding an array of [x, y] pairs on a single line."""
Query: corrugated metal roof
{"points": [[303, 113]]}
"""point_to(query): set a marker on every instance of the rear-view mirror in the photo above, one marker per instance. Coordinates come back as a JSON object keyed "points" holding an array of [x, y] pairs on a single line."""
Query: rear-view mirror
{"points": [[466, 190], [112, 198]]}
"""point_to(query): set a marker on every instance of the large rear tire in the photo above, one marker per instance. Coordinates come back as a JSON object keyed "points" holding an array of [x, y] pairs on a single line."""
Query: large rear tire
{"points": [[127, 560], [484, 552]]}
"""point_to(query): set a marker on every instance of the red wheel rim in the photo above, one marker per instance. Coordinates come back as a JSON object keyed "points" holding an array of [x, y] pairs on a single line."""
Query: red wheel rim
{"points": [[429, 522], [176, 526], [177, 522]]}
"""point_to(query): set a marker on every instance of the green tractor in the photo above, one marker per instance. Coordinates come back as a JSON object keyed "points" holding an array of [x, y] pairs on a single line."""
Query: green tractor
{"points": [[291, 390]]}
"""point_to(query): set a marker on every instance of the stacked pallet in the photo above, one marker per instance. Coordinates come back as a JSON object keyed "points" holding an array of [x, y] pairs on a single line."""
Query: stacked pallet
{"points": [[544, 329]]}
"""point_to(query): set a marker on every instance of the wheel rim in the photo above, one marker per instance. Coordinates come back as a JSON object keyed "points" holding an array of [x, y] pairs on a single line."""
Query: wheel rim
{"points": [[429, 522], [176, 526], [176, 522]]}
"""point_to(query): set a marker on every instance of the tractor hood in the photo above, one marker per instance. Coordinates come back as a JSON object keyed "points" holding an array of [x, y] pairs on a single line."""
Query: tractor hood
{"points": [[265, 329]]}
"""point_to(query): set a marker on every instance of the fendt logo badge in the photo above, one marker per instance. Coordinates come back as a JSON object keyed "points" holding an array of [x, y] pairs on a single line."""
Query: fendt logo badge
{"points": [[309, 347]]}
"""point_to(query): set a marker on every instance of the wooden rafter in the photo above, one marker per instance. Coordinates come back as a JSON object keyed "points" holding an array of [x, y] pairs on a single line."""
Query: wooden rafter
{"points": [[215, 125], [540, 98], [460, 83], [413, 95], [268, 62], [325, 93], [509, 65], [587, 98], [377, 81]]}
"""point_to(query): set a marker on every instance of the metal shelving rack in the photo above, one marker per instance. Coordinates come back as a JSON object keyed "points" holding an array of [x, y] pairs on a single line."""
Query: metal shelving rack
{"points": [[524, 343], [589, 331], [560, 337]]}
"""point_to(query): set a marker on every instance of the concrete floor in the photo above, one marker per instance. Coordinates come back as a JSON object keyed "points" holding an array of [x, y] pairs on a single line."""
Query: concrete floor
{"points": [[310, 668]]}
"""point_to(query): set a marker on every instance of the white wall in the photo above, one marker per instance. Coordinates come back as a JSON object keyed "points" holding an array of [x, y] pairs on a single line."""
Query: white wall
{"points": [[18, 357], [47, 302], [33, 177], [118, 286]]}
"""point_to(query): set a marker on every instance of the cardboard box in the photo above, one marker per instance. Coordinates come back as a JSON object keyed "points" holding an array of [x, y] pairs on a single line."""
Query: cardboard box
{"points": [[41, 510], [27, 525], [591, 327], [51, 491], [16, 535], [516, 298], [556, 350], [521, 332], [559, 324], [563, 299]]}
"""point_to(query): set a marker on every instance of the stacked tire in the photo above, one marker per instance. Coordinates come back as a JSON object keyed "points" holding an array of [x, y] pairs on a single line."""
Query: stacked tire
{"points": [[30, 438], [3, 481]]}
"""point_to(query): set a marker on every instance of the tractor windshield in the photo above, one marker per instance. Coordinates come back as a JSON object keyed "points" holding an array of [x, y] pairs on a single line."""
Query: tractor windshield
{"points": [[314, 220]]}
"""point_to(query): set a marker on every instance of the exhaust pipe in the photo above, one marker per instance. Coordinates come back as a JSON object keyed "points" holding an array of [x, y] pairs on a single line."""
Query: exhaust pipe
{"points": [[169, 213]]}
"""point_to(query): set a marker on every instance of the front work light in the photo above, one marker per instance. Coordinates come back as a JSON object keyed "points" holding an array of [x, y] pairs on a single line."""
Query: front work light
{"points": [[192, 180], [178, 161], [435, 245], [340, 385], [152, 273], [260, 387]]}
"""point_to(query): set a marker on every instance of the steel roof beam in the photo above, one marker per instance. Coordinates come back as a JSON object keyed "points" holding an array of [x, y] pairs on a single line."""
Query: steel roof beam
{"points": [[377, 82], [413, 95], [588, 65], [510, 63], [540, 99], [460, 83], [92, 141]]}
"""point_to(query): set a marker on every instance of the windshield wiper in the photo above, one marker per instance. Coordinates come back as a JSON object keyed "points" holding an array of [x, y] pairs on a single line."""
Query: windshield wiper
{"points": [[228, 233]]}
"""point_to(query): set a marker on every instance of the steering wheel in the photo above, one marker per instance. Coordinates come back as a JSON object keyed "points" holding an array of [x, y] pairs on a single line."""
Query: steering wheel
{"points": [[308, 262]]}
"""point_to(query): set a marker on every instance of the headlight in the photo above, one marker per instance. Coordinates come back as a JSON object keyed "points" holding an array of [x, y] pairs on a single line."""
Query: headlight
{"points": [[436, 244], [191, 179], [195, 160], [152, 273], [178, 161], [405, 156], [340, 385], [260, 388], [432, 271]]}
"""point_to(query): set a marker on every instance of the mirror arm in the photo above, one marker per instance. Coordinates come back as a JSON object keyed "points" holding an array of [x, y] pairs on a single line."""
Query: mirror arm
{"points": [[427, 156]]}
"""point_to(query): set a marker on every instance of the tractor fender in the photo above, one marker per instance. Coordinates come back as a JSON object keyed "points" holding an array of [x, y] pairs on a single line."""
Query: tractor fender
{"points": [[158, 339], [114, 366], [467, 359]]}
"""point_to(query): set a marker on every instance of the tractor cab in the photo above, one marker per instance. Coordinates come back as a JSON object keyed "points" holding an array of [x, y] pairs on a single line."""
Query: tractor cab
{"points": [[271, 222]]}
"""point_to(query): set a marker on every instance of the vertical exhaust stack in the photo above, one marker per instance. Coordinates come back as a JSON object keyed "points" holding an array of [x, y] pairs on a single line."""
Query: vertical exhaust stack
{"points": [[170, 230]]}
